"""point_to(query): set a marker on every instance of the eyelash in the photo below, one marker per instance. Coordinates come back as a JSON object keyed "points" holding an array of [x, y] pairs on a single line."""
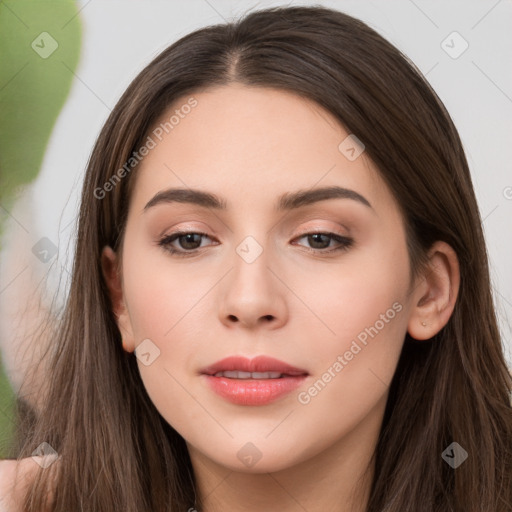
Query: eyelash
{"points": [[345, 242]]}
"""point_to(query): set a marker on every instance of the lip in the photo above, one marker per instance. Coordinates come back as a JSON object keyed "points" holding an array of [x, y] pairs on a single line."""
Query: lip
{"points": [[253, 391], [257, 364]]}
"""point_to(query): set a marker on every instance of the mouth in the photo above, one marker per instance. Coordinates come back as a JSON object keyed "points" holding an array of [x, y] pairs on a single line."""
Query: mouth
{"points": [[253, 375], [259, 381]]}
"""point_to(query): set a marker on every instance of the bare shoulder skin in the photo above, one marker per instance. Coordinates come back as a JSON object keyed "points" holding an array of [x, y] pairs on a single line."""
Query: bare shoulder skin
{"points": [[8, 491], [13, 484]]}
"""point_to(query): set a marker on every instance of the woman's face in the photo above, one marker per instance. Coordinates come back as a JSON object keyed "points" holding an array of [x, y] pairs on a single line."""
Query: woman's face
{"points": [[260, 282]]}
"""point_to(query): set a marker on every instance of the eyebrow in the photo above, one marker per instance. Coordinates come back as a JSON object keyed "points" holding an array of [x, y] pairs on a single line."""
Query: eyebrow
{"points": [[287, 201]]}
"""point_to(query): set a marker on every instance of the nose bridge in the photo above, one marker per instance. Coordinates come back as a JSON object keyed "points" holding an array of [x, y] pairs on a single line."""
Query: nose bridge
{"points": [[251, 291], [251, 234], [251, 264], [250, 249]]}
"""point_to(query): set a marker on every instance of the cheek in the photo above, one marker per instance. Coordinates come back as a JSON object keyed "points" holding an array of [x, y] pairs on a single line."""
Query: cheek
{"points": [[362, 321], [161, 293], [346, 298], [353, 368], [162, 301]]}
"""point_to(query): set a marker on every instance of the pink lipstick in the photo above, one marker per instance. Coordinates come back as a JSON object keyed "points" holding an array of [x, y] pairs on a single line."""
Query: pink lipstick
{"points": [[257, 381]]}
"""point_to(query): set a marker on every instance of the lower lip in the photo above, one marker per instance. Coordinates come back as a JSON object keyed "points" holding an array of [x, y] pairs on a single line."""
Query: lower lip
{"points": [[253, 391]]}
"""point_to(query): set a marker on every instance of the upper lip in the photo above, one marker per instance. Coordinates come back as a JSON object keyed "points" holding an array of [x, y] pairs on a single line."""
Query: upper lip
{"points": [[257, 364]]}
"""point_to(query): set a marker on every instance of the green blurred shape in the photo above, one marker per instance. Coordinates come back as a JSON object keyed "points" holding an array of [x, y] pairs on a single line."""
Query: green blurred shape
{"points": [[39, 51], [6, 414]]}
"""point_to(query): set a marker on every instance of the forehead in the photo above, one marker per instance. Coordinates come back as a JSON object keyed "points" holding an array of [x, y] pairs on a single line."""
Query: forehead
{"points": [[251, 145]]}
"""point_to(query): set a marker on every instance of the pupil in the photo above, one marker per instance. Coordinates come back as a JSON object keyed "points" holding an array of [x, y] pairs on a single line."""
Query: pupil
{"points": [[189, 239], [316, 241]]}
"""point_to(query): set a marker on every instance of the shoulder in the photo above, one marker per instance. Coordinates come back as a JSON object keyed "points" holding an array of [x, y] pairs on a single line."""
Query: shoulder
{"points": [[15, 476], [7, 479]]}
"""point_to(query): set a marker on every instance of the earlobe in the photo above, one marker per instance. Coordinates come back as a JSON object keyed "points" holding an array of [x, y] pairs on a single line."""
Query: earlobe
{"points": [[435, 296], [109, 267]]}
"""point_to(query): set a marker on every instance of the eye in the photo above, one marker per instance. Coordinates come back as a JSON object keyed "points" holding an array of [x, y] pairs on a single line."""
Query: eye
{"points": [[321, 241], [187, 239], [190, 242]]}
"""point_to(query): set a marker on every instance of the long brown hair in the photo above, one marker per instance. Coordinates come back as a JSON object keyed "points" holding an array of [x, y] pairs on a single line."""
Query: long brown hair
{"points": [[117, 452]]}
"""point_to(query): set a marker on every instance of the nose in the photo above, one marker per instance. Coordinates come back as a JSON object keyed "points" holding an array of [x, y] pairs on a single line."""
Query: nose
{"points": [[252, 295]]}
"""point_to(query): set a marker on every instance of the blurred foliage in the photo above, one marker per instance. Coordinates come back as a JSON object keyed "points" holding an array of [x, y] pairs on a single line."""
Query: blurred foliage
{"points": [[39, 51]]}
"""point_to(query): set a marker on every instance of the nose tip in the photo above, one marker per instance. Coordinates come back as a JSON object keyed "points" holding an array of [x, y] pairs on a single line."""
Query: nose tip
{"points": [[252, 297]]}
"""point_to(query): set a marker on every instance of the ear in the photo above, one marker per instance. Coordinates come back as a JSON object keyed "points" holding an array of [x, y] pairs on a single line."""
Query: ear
{"points": [[435, 293], [112, 276]]}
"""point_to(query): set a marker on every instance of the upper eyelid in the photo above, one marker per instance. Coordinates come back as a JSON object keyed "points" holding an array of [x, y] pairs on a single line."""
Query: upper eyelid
{"points": [[314, 229], [326, 231]]}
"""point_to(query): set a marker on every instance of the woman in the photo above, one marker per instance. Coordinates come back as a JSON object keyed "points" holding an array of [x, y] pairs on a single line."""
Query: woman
{"points": [[332, 345]]}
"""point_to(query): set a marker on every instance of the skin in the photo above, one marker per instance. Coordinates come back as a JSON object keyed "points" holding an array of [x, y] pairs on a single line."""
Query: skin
{"points": [[16, 476], [249, 146]]}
